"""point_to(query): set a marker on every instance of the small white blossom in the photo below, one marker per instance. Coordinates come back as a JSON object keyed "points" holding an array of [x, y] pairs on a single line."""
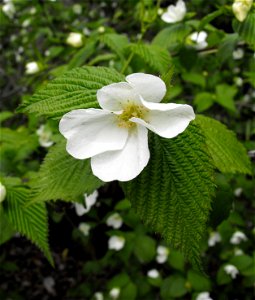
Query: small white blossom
{"points": [[238, 191], [84, 228], [116, 242], [89, 201], [238, 237], [114, 221], [175, 13], [214, 238], [74, 39], [26, 23], [49, 283], [32, 68], [32, 10], [241, 8], [238, 81], [44, 136], [162, 254], [153, 273], [99, 296], [203, 296], [199, 38], [77, 9], [231, 270], [116, 136], [2, 192], [101, 29], [114, 293], [238, 252], [86, 31], [238, 53], [9, 9], [160, 11]]}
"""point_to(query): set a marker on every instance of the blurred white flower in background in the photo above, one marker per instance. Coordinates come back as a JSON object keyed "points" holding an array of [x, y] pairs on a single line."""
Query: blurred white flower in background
{"points": [[89, 201], [175, 13], [77, 9], [238, 237], [99, 296], [162, 254], [32, 68], [44, 134], [160, 11], [75, 39], [84, 228], [238, 251], [241, 8], [114, 221], [33, 10], [231, 270], [214, 238], [116, 242], [114, 293], [101, 29], [238, 191], [203, 296], [2, 192], [154, 273], [238, 81], [26, 23], [9, 8], [49, 283], [86, 31], [199, 38], [238, 53]]}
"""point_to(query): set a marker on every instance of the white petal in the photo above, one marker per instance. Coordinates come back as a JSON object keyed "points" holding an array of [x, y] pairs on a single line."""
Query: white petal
{"points": [[114, 97], [201, 37], [168, 18], [150, 87], [167, 119], [91, 131], [124, 164]]}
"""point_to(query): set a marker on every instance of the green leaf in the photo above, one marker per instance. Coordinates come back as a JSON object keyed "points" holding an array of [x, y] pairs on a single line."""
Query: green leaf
{"points": [[195, 78], [144, 248], [209, 18], [31, 220], [173, 286], [116, 42], [227, 47], [73, 90], [63, 177], [173, 193], [6, 229], [228, 153], [225, 96], [198, 281], [203, 101], [176, 260], [171, 36], [246, 29], [156, 57]]}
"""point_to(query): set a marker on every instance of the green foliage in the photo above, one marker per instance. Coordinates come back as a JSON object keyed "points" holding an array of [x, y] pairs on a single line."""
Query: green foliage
{"points": [[116, 43], [173, 287], [6, 228], [73, 90], [174, 199], [228, 154], [29, 220], [156, 57], [225, 96], [63, 177], [246, 29]]}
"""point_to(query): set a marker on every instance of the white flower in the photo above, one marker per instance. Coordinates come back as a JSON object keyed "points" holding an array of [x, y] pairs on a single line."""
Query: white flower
{"points": [[116, 242], [86, 31], [101, 29], [9, 9], [203, 296], [114, 293], [231, 270], [238, 81], [44, 136], [2, 192], [99, 296], [238, 53], [32, 67], [84, 228], [175, 13], [26, 23], [77, 9], [153, 273], [89, 201], [241, 8], [114, 221], [214, 238], [116, 136], [200, 39], [238, 191], [238, 237], [238, 252], [74, 39], [32, 10], [162, 254]]}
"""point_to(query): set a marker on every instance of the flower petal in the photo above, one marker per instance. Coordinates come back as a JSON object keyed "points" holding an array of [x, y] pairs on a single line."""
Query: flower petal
{"points": [[169, 18], [124, 164], [91, 131], [113, 97], [150, 87], [167, 119]]}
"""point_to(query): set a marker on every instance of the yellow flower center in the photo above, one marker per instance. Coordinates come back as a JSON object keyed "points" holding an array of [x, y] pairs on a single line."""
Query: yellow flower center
{"points": [[131, 110]]}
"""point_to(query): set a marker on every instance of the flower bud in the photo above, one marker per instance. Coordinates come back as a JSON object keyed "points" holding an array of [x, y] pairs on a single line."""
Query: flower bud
{"points": [[241, 8], [74, 39], [2, 192]]}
